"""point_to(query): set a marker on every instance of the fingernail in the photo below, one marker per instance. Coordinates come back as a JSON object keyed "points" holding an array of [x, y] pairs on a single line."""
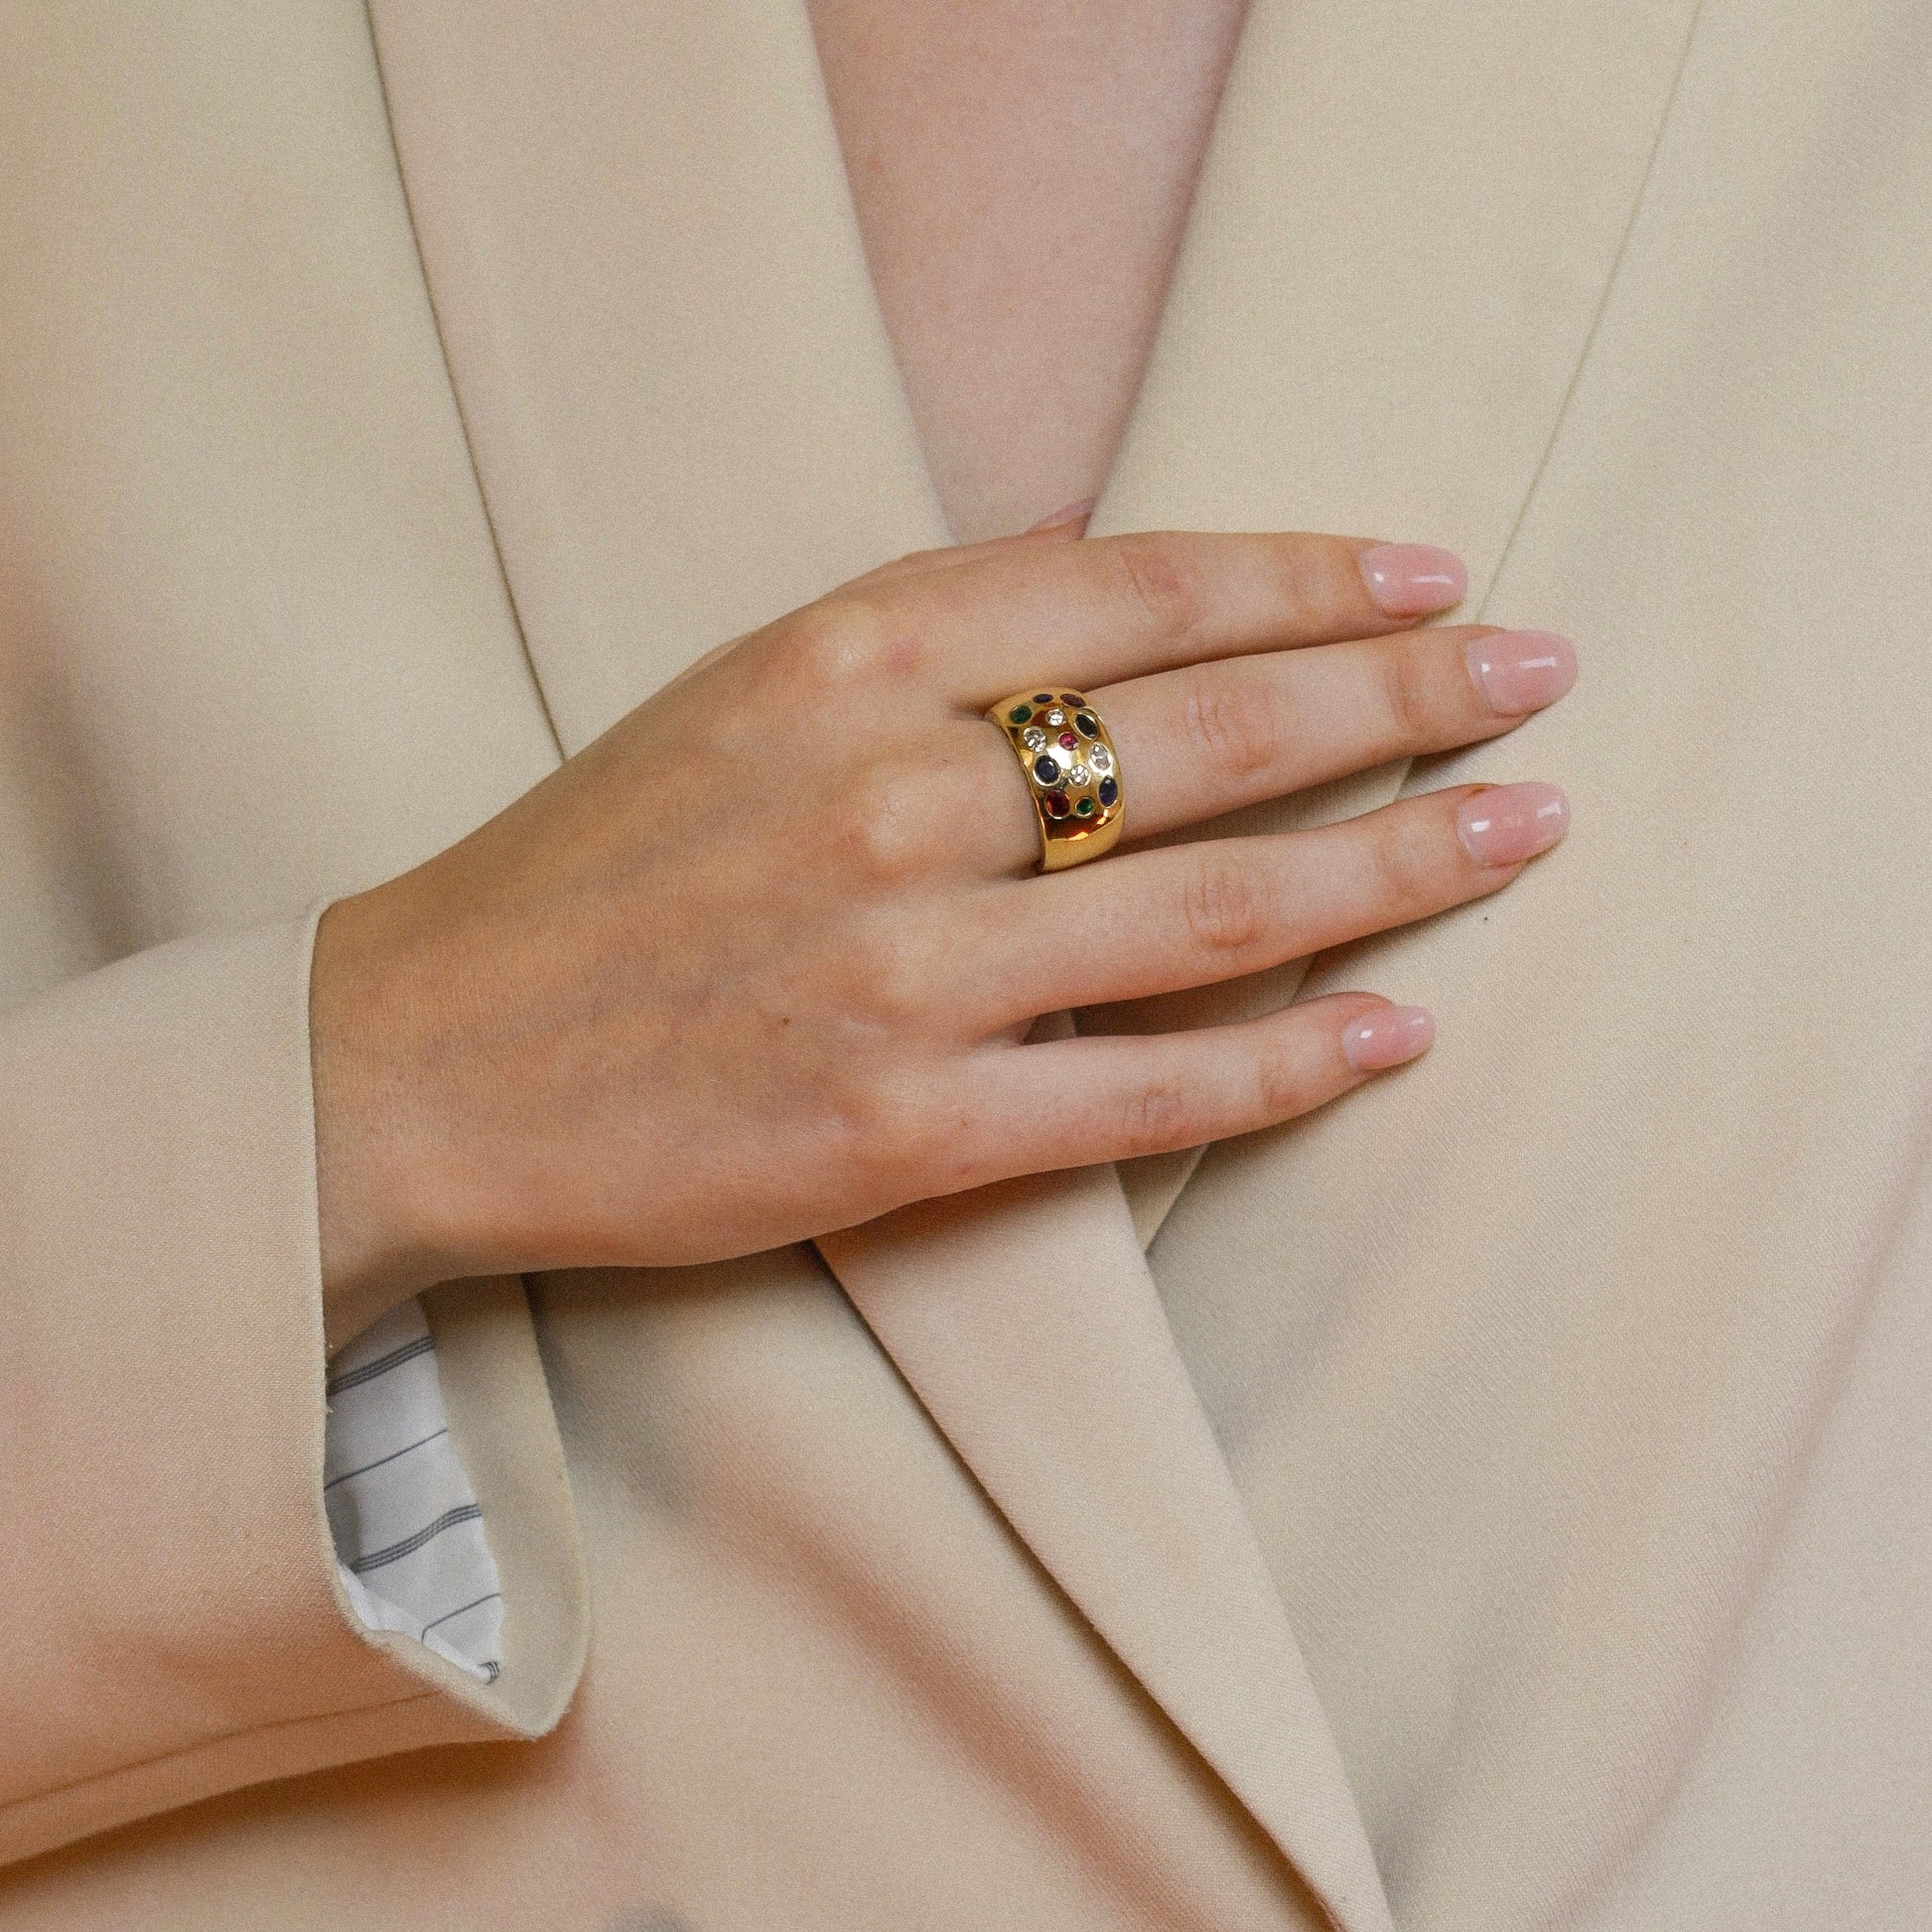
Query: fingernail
{"points": [[1520, 671], [1387, 1037], [1502, 825], [1413, 580], [1072, 513]]}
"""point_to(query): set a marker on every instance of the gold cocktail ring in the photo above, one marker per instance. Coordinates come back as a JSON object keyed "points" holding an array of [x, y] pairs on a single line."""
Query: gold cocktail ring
{"points": [[1072, 773]]}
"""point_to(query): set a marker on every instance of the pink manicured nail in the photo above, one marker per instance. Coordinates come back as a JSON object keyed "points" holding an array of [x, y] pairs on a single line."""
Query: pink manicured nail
{"points": [[1520, 671], [1073, 514], [1502, 825], [1386, 1038], [1413, 580]]}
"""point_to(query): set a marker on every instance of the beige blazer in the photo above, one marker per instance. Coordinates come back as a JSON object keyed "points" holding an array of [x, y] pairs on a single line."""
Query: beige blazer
{"points": [[386, 404]]}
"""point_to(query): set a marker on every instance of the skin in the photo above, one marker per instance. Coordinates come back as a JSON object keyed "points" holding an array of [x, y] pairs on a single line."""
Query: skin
{"points": [[1021, 171], [679, 1003]]}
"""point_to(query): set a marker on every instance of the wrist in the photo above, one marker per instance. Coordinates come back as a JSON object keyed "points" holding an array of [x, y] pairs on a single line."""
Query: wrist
{"points": [[382, 1206]]}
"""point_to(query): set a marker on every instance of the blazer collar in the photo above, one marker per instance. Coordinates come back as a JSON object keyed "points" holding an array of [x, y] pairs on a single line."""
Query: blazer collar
{"points": [[638, 239]]}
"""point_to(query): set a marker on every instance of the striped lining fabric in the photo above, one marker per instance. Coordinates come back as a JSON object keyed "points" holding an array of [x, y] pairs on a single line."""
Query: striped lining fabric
{"points": [[410, 1544]]}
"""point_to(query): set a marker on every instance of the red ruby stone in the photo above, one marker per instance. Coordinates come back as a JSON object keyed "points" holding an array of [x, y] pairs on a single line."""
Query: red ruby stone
{"points": [[1068, 740], [1056, 806]]}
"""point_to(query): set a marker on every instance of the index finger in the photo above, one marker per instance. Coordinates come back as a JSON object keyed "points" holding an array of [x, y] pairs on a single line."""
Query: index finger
{"points": [[1111, 607]]}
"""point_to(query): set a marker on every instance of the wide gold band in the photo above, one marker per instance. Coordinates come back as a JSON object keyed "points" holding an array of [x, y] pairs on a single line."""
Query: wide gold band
{"points": [[1072, 773]]}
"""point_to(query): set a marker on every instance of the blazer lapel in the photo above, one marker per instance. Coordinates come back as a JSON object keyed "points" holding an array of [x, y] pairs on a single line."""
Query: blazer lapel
{"points": [[1406, 225], [1025, 1318], [679, 389], [686, 418]]}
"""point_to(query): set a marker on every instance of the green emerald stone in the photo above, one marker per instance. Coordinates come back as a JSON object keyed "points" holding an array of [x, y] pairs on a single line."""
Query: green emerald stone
{"points": [[1085, 807], [1020, 713]]}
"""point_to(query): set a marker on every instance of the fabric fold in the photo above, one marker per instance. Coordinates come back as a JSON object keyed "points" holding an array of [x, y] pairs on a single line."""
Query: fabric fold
{"points": [[179, 1626], [1025, 1319]]}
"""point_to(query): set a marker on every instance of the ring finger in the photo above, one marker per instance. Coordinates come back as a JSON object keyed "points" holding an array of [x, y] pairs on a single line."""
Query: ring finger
{"points": [[1212, 910], [1208, 738]]}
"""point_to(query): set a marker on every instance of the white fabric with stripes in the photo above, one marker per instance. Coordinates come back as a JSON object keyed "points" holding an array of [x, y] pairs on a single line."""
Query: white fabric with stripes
{"points": [[410, 1544]]}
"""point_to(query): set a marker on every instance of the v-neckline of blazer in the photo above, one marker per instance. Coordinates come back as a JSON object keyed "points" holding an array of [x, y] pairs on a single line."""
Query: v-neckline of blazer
{"points": [[687, 418]]}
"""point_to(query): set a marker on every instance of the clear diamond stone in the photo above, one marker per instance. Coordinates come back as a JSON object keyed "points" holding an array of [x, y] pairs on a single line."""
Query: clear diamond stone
{"points": [[1056, 717], [1079, 775], [1100, 758], [1032, 738]]}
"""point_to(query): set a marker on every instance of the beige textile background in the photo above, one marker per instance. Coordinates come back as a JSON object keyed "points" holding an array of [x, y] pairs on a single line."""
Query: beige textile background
{"points": [[1498, 1501]]}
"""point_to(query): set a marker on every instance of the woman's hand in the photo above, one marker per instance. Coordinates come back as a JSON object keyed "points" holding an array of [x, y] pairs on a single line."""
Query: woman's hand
{"points": [[760, 961]]}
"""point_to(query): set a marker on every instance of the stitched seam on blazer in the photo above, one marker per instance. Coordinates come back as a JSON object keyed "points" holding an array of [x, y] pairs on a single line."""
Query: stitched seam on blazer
{"points": [[1610, 280], [455, 394]]}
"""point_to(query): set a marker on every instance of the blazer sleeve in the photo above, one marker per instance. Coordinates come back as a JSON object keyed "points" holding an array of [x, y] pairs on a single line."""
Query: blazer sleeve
{"points": [[176, 1627]]}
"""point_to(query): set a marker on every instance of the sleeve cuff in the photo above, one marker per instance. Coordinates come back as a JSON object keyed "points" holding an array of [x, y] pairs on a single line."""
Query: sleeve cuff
{"points": [[181, 1628]]}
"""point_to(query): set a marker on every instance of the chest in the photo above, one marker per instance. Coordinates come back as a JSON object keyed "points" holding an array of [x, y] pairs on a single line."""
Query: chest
{"points": [[1021, 177]]}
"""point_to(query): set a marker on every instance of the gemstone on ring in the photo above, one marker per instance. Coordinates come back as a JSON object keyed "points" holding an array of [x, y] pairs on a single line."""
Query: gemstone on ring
{"points": [[1070, 772]]}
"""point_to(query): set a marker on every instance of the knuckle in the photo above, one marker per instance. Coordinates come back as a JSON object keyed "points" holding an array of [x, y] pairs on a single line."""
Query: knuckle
{"points": [[1281, 1079], [1158, 1117], [896, 973], [1230, 722], [1321, 587], [845, 642], [868, 1110], [884, 822], [1412, 863], [1159, 580], [907, 1134], [874, 1111], [1408, 695], [1221, 905]]}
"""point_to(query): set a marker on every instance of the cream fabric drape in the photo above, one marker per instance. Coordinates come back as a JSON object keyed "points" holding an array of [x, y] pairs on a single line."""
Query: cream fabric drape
{"points": [[254, 652], [1496, 1501]]}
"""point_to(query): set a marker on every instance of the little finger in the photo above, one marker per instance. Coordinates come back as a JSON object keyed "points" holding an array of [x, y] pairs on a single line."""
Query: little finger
{"points": [[1073, 1102], [1191, 914]]}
